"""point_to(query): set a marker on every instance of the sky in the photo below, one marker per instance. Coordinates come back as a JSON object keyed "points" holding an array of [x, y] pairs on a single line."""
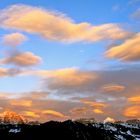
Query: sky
{"points": [[70, 59]]}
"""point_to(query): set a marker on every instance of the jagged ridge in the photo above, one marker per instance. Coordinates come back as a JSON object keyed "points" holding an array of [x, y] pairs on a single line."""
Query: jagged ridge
{"points": [[12, 118], [71, 130]]}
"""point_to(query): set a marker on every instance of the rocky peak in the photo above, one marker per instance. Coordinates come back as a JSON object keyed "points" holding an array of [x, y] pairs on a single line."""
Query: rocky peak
{"points": [[12, 118]]}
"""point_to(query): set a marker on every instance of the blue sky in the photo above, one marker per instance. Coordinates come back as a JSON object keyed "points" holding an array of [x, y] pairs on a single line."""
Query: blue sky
{"points": [[98, 28], [58, 55]]}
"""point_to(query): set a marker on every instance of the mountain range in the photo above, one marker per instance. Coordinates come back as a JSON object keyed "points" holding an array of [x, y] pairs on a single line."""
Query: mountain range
{"points": [[16, 127]]}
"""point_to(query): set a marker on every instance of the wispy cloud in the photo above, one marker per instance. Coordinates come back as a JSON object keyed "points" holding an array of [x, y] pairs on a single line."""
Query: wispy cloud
{"points": [[98, 111], [129, 50], [24, 59], [26, 103], [133, 2], [132, 112], [116, 7], [136, 14], [57, 26], [111, 88], [54, 113], [13, 39], [134, 99]]}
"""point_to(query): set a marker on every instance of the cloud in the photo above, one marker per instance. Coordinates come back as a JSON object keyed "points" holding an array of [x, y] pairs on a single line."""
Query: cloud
{"points": [[24, 59], [116, 7], [132, 111], [54, 113], [73, 81], [133, 2], [34, 108], [30, 114], [13, 39], [111, 88], [36, 114], [65, 78], [127, 51], [4, 95], [83, 97], [3, 72], [135, 99], [124, 81], [136, 14], [98, 111], [86, 112], [44, 109], [24, 103], [37, 95], [56, 26], [79, 110], [94, 104]]}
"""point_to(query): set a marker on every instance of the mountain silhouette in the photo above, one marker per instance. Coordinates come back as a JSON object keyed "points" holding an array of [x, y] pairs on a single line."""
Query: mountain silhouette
{"points": [[70, 130]]}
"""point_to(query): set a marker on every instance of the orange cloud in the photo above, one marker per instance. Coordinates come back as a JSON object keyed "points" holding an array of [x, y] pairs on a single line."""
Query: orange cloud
{"points": [[56, 26], [66, 77], [127, 51], [113, 88], [54, 113], [36, 95], [98, 111], [7, 95], [133, 111], [94, 104], [22, 59], [10, 72], [3, 72], [79, 110], [4, 95], [30, 114], [24, 103], [14, 39], [135, 99]]}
